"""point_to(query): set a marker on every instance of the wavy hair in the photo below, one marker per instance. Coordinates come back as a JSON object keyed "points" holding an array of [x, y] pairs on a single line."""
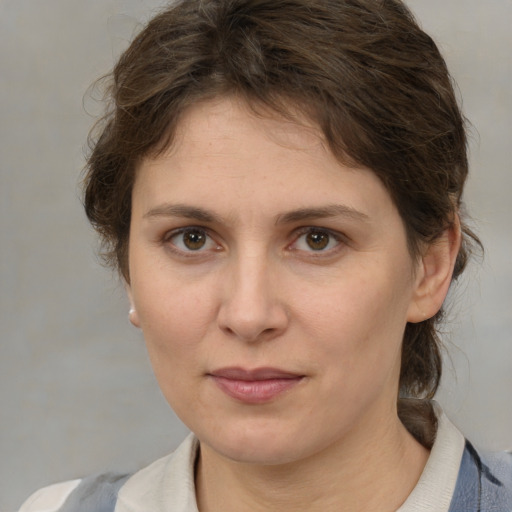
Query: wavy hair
{"points": [[363, 70]]}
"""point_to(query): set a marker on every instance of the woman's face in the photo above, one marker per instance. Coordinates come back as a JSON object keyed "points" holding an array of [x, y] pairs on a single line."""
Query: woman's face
{"points": [[272, 284]]}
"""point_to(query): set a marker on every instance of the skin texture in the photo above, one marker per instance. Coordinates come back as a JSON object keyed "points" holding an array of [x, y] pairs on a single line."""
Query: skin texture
{"points": [[296, 262]]}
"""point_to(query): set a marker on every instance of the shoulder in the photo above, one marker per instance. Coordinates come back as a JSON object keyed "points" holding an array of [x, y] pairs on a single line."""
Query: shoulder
{"points": [[484, 482], [167, 480], [98, 493], [51, 498]]}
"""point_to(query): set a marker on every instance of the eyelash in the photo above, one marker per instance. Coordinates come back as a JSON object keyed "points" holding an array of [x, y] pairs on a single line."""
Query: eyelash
{"points": [[310, 230], [298, 234], [182, 231]]}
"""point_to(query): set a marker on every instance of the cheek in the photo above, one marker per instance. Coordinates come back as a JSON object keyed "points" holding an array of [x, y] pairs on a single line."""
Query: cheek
{"points": [[174, 327], [360, 318], [174, 317]]}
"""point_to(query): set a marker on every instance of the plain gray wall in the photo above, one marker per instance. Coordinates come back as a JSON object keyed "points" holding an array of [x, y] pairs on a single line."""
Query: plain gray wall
{"points": [[76, 391]]}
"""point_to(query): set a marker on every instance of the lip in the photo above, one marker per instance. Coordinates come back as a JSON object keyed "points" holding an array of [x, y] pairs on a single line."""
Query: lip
{"points": [[255, 386]]}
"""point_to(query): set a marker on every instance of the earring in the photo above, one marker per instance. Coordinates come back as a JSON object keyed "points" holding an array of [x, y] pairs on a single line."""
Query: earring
{"points": [[131, 316]]}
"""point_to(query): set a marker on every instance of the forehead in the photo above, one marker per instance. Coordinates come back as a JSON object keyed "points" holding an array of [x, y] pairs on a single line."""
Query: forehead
{"points": [[223, 151], [219, 126]]}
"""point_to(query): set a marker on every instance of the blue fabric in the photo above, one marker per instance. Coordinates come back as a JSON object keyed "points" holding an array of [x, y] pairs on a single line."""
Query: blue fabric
{"points": [[95, 494], [484, 483]]}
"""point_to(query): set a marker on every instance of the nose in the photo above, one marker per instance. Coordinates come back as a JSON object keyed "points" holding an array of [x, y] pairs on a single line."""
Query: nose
{"points": [[251, 309]]}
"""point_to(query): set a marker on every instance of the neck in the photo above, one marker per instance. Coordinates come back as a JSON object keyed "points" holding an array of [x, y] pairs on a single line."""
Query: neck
{"points": [[375, 468]]}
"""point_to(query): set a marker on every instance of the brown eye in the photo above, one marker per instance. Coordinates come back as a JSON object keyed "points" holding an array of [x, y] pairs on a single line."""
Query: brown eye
{"points": [[194, 240], [318, 240]]}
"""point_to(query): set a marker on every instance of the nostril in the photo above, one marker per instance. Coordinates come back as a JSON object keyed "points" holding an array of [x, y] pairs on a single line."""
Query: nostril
{"points": [[250, 334], [252, 312]]}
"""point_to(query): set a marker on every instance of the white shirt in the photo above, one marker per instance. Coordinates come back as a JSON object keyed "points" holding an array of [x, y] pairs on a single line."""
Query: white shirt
{"points": [[170, 480]]}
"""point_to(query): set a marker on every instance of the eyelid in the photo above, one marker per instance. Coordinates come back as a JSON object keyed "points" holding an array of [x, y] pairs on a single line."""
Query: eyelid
{"points": [[340, 238], [167, 237], [177, 231]]}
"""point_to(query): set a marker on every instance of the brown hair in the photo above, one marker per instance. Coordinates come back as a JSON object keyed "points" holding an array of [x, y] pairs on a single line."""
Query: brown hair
{"points": [[362, 70]]}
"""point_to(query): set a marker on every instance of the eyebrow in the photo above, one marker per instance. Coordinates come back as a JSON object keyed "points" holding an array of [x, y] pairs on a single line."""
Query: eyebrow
{"points": [[324, 212], [182, 210], [301, 214]]}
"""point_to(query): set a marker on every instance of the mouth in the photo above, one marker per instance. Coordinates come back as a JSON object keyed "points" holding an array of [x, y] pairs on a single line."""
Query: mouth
{"points": [[254, 386]]}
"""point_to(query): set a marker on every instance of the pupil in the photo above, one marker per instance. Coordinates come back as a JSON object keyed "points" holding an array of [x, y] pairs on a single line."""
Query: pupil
{"points": [[194, 240], [317, 241]]}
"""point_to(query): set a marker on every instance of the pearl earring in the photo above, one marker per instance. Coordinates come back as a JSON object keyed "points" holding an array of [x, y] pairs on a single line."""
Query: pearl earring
{"points": [[131, 313]]}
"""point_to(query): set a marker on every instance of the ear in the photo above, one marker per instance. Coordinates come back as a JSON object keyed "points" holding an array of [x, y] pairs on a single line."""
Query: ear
{"points": [[434, 274], [133, 316]]}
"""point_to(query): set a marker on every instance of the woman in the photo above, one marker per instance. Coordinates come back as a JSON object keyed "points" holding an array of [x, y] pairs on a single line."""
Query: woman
{"points": [[279, 183]]}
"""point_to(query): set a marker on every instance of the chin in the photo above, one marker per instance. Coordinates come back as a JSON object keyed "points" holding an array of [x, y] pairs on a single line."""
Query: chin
{"points": [[265, 454], [260, 445]]}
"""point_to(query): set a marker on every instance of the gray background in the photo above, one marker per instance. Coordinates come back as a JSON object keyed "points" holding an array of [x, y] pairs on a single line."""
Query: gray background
{"points": [[76, 390]]}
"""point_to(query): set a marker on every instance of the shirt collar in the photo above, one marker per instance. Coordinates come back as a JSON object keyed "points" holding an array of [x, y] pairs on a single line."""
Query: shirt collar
{"points": [[436, 485], [170, 480]]}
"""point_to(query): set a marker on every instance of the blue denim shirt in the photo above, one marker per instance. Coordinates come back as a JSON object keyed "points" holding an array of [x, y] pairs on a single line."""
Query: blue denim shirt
{"points": [[484, 483]]}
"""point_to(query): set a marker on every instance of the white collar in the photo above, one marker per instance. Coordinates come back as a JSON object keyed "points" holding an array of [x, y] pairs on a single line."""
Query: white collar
{"points": [[436, 485], [170, 481], [166, 484]]}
